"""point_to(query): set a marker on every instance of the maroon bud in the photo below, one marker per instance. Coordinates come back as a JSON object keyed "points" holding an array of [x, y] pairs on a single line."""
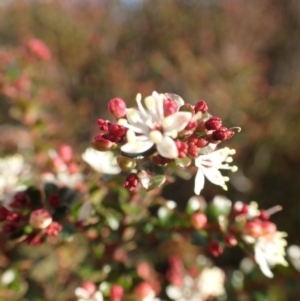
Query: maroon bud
{"points": [[54, 200], [103, 125], [116, 292], [116, 130], [201, 106], [131, 182], [99, 143], [213, 123], [8, 228], [182, 148], [3, 213], [215, 249], [191, 126], [13, 217], [161, 161], [117, 107], [229, 134], [220, 134], [20, 200]]}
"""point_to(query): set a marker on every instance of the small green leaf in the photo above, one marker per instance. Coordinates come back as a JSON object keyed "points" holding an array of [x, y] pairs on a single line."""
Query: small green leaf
{"points": [[199, 238]]}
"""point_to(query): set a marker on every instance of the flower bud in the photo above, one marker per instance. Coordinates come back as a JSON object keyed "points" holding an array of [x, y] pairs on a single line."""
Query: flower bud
{"points": [[101, 144], [199, 220], [126, 163], [170, 107], [201, 106], [116, 292], [90, 287], [231, 240], [117, 107], [187, 108], [142, 290], [3, 213], [39, 49], [66, 153], [253, 228], [215, 249], [268, 227], [213, 123], [40, 219], [53, 229]]}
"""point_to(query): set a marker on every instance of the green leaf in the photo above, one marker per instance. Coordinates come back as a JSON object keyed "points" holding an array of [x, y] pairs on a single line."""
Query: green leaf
{"points": [[156, 181], [199, 238], [35, 197], [184, 162]]}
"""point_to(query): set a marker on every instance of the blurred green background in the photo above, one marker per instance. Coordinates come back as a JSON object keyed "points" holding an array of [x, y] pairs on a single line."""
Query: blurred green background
{"points": [[241, 56]]}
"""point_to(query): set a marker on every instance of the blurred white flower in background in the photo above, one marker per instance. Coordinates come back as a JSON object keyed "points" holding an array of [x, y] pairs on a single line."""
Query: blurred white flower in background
{"points": [[84, 294], [102, 162], [209, 283], [269, 250], [12, 170]]}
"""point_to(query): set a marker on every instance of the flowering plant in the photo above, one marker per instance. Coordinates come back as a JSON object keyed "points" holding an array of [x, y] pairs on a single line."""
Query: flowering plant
{"points": [[140, 245]]}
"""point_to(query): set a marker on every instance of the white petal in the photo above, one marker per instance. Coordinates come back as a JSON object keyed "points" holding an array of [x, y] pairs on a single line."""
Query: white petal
{"points": [[213, 175], [177, 121], [167, 148], [199, 182], [173, 292], [262, 262], [136, 147], [136, 119], [81, 293], [98, 296]]}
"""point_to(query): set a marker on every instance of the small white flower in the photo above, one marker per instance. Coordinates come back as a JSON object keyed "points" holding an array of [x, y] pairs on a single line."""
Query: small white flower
{"points": [[188, 291], [211, 282], [84, 295], [209, 165], [103, 162], [63, 178], [153, 128], [12, 168], [269, 250]]}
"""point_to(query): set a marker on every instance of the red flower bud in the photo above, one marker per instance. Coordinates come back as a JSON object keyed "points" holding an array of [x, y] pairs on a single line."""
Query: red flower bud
{"points": [[117, 107], [215, 249], [39, 49], [268, 227], [116, 292], [231, 240], [253, 228], [99, 143], [65, 152], [53, 229], [3, 213], [170, 107], [201, 106], [213, 123], [89, 286], [199, 220]]}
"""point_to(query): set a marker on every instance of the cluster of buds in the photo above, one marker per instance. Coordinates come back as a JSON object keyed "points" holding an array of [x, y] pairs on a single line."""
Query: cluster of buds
{"points": [[225, 225], [162, 129], [23, 221]]}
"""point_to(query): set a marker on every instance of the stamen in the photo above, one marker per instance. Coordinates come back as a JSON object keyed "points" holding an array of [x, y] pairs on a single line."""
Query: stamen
{"points": [[156, 136], [130, 136]]}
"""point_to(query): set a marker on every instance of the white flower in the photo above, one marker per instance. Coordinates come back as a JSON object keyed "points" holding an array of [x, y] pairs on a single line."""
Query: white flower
{"points": [[83, 295], [11, 170], [63, 178], [269, 250], [188, 291], [103, 162], [209, 165], [153, 128], [211, 282]]}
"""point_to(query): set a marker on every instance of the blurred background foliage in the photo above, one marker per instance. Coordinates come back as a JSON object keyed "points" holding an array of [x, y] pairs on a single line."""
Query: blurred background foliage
{"points": [[240, 56]]}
